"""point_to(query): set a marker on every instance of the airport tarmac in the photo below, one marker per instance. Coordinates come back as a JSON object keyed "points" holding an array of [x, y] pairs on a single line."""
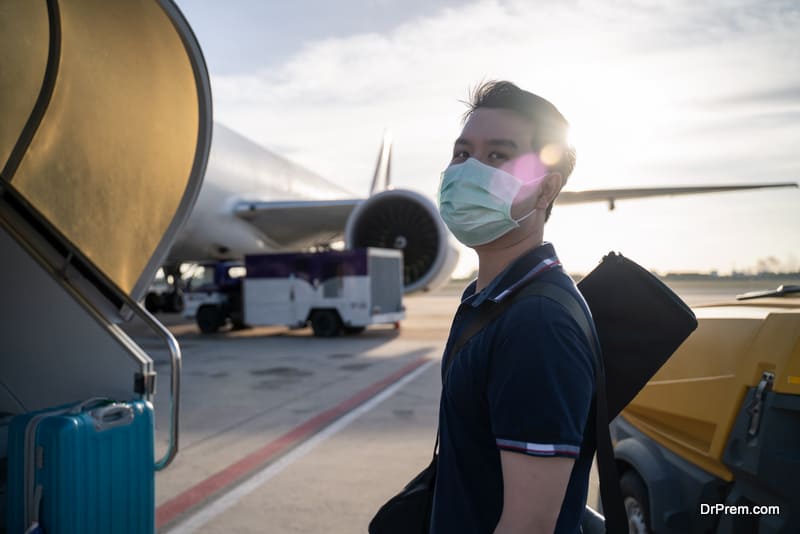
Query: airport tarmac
{"points": [[254, 395], [282, 432]]}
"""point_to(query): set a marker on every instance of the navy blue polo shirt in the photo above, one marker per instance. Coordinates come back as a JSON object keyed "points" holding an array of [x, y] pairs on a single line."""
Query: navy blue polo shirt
{"points": [[525, 383]]}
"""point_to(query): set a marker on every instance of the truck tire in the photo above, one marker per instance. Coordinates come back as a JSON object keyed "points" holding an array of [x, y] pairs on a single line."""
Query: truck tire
{"points": [[326, 323], [152, 302], [173, 302], [210, 318], [637, 508]]}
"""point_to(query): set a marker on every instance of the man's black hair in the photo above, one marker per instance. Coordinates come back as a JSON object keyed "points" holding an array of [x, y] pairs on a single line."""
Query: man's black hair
{"points": [[549, 125]]}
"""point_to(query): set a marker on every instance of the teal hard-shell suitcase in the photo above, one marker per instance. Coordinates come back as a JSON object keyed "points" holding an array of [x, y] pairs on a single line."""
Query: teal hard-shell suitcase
{"points": [[85, 468]]}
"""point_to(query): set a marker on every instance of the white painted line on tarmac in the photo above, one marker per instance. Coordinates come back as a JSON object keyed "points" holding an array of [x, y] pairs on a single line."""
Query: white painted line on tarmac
{"points": [[230, 499]]}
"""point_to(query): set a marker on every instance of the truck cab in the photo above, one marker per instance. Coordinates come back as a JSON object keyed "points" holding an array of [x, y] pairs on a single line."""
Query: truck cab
{"points": [[213, 295]]}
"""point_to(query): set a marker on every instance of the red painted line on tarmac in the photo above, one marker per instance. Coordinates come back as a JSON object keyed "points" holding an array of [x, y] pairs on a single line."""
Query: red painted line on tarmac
{"points": [[170, 510]]}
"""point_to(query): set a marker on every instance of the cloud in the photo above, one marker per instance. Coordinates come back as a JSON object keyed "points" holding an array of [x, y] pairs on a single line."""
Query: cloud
{"points": [[658, 93], [774, 98], [631, 74]]}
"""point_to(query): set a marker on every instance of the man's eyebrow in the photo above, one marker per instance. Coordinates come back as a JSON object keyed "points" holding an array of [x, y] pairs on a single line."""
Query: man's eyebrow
{"points": [[508, 143]]}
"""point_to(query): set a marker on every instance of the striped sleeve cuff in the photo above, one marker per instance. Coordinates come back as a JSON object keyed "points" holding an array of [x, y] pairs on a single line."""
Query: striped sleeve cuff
{"points": [[538, 449]]}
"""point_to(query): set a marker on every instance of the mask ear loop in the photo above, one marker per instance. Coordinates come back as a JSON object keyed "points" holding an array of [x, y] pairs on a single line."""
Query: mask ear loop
{"points": [[525, 216], [530, 212]]}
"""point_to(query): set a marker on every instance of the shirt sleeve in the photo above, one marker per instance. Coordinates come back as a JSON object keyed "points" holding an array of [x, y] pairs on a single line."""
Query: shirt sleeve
{"points": [[541, 381]]}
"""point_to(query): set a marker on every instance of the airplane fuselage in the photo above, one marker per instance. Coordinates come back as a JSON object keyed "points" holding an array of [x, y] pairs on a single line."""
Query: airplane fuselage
{"points": [[240, 170]]}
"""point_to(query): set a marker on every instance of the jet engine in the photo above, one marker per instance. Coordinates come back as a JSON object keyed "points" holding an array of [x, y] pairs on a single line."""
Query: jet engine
{"points": [[407, 221]]}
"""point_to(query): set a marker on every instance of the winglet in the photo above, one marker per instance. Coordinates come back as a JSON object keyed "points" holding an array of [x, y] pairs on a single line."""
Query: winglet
{"points": [[382, 179]]}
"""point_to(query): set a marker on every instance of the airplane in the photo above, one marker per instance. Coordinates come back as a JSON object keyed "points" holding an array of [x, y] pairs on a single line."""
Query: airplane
{"points": [[255, 201]]}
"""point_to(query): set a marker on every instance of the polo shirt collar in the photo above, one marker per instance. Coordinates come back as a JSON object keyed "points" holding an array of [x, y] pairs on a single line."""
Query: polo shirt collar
{"points": [[518, 272]]}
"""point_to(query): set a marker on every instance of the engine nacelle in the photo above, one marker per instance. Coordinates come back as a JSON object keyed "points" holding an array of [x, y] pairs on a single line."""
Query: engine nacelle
{"points": [[407, 221]]}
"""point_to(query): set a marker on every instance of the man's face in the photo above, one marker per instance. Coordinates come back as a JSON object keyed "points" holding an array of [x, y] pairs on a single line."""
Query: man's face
{"points": [[501, 138]]}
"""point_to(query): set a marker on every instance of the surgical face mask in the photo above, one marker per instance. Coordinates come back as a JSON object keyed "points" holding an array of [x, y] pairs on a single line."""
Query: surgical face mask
{"points": [[475, 202]]}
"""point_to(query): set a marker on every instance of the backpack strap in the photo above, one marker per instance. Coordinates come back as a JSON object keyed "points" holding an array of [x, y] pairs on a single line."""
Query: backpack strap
{"points": [[613, 507]]}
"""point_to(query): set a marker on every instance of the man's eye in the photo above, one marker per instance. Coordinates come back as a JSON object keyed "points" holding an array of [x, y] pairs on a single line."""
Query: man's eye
{"points": [[460, 154], [497, 156]]}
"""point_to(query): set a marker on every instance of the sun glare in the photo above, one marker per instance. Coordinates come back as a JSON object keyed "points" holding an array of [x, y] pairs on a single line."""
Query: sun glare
{"points": [[615, 130]]}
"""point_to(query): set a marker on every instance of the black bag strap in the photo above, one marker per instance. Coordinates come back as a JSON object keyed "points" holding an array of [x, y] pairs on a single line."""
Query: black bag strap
{"points": [[483, 319], [480, 322], [613, 508]]}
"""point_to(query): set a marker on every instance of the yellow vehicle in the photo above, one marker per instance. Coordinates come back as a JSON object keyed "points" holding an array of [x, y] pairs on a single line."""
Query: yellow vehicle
{"points": [[712, 443]]}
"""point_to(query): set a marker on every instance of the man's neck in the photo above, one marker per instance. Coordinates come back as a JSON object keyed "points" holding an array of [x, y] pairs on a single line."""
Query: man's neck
{"points": [[493, 260]]}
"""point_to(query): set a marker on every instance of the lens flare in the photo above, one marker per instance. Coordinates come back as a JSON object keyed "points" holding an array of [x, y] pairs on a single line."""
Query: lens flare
{"points": [[551, 154], [528, 168]]}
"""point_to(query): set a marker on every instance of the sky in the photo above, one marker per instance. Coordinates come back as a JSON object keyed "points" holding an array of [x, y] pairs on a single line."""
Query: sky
{"points": [[658, 93]]}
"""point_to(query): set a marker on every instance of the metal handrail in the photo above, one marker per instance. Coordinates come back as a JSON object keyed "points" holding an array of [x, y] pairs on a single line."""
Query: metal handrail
{"points": [[59, 269], [175, 377]]}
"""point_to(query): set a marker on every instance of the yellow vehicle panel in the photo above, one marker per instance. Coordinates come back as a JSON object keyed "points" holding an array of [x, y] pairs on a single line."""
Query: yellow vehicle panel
{"points": [[691, 404]]}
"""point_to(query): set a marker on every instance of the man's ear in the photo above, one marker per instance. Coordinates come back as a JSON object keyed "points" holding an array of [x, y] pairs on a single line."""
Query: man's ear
{"points": [[551, 186]]}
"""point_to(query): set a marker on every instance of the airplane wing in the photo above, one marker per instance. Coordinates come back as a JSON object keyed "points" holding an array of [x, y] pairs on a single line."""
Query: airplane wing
{"points": [[612, 195], [304, 223], [294, 224]]}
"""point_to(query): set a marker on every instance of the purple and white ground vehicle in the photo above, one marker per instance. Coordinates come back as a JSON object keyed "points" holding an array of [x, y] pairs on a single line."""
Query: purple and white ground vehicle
{"points": [[334, 291]]}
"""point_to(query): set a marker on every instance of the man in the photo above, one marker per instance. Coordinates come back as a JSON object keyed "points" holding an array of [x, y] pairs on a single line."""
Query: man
{"points": [[515, 451]]}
